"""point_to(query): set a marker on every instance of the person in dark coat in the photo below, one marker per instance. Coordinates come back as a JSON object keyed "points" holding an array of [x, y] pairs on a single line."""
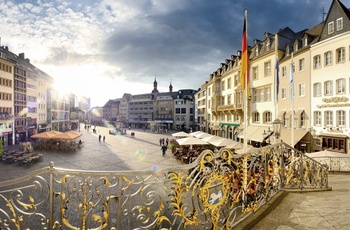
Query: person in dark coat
{"points": [[164, 148]]}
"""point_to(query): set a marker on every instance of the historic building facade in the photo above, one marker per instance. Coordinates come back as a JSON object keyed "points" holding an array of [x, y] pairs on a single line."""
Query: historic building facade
{"points": [[316, 115], [330, 80]]}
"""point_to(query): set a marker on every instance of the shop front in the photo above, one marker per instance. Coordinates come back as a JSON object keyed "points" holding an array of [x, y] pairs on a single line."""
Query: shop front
{"points": [[336, 143]]}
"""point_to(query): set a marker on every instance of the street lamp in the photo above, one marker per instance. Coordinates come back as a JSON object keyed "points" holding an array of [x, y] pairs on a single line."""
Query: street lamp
{"points": [[277, 126], [266, 135]]}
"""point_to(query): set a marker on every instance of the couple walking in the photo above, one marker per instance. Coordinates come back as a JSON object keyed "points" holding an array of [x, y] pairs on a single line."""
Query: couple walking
{"points": [[164, 144]]}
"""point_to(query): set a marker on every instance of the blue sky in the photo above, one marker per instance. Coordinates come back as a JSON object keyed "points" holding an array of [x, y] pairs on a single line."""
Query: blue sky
{"points": [[105, 48]]}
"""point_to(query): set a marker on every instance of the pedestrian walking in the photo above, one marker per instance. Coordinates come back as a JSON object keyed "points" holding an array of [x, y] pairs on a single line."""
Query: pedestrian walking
{"points": [[163, 141], [160, 142], [99, 138], [167, 142], [104, 138], [163, 148]]}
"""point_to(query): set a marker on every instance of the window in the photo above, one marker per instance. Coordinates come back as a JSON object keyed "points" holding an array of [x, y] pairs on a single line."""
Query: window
{"points": [[339, 24], [301, 64], [261, 93], [217, 87], [317, 89], [229, 99], [268, 94], [330, 27], [267, 117], [255, 73], [229, 83], [302, 120], [296, 46], [305, 42], [328, 118], [317, 118], [223, 85], [284, 71], [341, 118], [267, 45], [328, 58], [340, 55], [256, 117], [237, 81], [284, 93], [341, 86], [301, 89], [328, 88], [317, 62], [255, 95], [267, 68]]}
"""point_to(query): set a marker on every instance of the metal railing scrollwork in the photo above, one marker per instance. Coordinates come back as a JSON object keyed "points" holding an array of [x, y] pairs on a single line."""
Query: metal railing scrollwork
{"points": [[217, 191]]}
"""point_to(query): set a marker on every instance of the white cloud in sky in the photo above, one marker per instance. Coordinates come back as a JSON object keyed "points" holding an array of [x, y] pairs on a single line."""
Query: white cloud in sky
{"points": [[104, 48]]}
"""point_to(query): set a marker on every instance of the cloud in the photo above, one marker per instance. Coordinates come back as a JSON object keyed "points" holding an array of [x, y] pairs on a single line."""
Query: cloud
{"points": [[130, 42]]}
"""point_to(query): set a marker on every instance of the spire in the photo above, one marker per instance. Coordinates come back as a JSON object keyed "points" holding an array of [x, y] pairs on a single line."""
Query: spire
{"points": [[155, 90], [155, 83], [170, 87]]}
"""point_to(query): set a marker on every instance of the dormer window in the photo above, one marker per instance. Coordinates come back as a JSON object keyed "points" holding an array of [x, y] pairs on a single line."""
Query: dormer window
{"points": [[256, 51], [296, 46], [287, 51], [267, 45], [330, 27], [305, 42], [339, 24]]}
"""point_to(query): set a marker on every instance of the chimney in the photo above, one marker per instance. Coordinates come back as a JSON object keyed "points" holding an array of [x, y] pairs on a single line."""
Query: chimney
{"points": [[21, 56]]}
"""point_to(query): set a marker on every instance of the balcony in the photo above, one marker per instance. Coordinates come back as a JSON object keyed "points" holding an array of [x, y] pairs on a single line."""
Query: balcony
{"points": [[216, 191]]}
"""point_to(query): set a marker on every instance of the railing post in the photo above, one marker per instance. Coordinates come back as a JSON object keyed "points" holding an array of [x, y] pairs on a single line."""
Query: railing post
{"points": [[120, 202], [51, 195], [301, 173], [283, 167]]}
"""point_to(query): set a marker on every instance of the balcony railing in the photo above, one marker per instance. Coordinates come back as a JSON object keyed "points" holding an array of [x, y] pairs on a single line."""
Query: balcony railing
{"points": [[217, 191]]}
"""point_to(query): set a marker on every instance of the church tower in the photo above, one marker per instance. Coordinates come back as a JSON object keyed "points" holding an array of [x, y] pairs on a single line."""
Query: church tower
{"points": [[170, 88], [155, 90]]}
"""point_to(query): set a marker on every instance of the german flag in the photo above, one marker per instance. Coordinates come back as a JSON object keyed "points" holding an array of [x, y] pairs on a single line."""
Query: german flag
{"points": [[245, 58]]}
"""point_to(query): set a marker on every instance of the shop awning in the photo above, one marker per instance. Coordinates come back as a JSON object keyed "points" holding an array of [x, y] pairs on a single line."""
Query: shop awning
{"points": [[255, 133], [229, 124], [298, 135], [280, 115]]}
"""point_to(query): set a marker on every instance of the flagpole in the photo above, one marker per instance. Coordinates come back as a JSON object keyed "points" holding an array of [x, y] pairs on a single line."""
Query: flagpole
{"points": [[276, 76], [292, 100], [245, 89]]}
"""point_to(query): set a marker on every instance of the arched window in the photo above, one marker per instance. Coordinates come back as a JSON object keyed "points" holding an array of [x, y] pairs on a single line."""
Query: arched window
{"points": [[267, 117]]}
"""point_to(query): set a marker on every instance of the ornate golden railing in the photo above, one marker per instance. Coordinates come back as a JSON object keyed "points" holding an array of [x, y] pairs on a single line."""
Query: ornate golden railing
{"points": [[217, 191]]}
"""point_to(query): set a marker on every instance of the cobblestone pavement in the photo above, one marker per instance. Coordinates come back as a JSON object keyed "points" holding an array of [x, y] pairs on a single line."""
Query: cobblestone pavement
{"points": [[117, 153]]}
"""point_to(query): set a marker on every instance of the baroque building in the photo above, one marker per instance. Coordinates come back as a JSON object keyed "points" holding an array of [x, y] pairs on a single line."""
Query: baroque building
{"points": [[313, 111]]}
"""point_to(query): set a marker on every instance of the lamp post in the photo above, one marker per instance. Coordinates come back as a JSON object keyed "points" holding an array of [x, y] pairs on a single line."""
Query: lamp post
{"points": [[277, 126], [266, 134]]}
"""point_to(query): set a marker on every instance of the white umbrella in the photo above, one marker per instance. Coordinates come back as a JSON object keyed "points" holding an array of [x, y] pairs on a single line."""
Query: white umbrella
{"points": [[191, 141], [210, 138], [181, 134], [222, 142], [203, 135], [196, 133]]}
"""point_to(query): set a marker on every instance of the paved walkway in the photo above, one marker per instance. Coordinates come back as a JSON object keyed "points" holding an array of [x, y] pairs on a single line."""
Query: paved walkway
{"points": [[312, 210], [118, 153]]}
